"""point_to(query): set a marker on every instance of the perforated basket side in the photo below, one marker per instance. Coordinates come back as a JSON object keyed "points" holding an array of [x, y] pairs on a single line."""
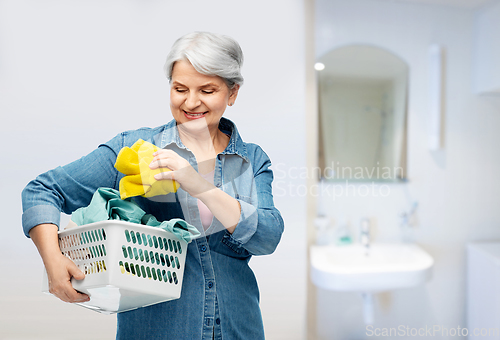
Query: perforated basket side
{"points": [[87, 248], [153, 255]]}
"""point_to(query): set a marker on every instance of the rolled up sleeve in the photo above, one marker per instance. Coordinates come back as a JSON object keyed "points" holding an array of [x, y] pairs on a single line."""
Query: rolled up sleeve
{"points": [[40, 214]]}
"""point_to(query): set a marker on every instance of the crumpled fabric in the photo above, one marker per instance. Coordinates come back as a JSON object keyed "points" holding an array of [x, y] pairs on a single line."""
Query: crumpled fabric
{"points": [[139, 180], [106, 204]]}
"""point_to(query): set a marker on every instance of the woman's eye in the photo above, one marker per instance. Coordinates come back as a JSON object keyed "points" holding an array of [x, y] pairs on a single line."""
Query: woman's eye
{"points": [[207, 92], [180, 90]]}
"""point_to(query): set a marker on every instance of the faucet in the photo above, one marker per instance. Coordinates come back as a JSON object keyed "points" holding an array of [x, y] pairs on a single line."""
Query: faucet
{"points": [[406, 221], [364, 236]]}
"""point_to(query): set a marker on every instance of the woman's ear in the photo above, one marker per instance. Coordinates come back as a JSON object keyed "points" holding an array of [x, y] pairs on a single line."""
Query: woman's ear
{"points": [[233, 93]]}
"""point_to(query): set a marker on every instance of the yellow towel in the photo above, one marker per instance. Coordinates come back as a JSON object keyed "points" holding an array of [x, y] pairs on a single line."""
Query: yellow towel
{"points": [[139, 180]]}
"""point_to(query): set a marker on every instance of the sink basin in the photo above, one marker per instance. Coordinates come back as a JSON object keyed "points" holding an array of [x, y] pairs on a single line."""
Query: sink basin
{"points": [[385, 266]]}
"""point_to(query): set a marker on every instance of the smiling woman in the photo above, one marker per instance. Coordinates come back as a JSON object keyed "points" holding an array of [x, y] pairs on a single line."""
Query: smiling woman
{"points": [[225, 191], [194, 95]]}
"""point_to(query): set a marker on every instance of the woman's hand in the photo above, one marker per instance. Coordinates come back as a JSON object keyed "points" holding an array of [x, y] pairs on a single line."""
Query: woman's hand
{"points": [[224, 207], [60, 270], [181, 171]]}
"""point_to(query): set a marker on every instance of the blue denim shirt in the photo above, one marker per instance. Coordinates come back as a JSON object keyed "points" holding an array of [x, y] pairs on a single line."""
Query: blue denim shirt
{"points": [[220, 297]]}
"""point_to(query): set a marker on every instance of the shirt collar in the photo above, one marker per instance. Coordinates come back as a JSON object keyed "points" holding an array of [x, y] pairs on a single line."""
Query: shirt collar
{"points": [[236, 146]]}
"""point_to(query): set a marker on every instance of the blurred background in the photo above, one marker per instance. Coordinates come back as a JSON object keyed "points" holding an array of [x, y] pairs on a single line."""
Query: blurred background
{"points": [[73, 74]]}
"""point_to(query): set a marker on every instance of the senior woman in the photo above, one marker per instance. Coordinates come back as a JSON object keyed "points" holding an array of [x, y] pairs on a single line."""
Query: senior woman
{"points": [[225, 191]]}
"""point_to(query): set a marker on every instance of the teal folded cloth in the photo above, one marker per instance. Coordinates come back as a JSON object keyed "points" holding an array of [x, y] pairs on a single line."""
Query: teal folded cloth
{"points": [[106, 204]]}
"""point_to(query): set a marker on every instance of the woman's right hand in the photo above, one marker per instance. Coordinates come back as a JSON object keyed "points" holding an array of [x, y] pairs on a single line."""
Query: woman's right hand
{"points": [[60, 269]]}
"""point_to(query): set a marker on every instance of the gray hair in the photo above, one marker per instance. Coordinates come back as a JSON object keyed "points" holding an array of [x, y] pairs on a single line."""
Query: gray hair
{"points": [[210, 54]]}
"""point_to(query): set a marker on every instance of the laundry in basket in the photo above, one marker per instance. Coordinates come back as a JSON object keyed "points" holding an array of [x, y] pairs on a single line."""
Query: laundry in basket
{"points": [[106, 204]]}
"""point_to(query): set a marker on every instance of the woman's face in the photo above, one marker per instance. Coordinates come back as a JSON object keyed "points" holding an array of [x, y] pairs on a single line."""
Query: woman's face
{"points": [[194, 96]]}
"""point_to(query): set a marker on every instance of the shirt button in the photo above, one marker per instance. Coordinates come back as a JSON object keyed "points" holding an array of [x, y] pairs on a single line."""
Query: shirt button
{"points": [[210, 284], [218, 185], [217, 321], [203, 248]]}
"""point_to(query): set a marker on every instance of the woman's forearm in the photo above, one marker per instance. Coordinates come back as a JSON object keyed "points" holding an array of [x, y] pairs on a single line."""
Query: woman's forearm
{"points": [[45, 238], [225, 208]]}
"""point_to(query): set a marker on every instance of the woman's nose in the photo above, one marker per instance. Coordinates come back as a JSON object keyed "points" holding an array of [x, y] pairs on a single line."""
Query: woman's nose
{"points": [[192, 100]]}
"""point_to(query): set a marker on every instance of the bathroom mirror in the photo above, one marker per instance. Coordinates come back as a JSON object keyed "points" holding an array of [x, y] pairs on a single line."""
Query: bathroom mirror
{"points": [[362, 94]]}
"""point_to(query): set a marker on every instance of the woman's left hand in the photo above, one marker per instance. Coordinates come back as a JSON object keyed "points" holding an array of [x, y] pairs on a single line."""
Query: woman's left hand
{"points": [[182, 172]]}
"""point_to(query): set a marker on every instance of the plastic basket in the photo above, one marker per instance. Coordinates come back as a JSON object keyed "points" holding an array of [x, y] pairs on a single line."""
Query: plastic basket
{"points": [[126, 265]]}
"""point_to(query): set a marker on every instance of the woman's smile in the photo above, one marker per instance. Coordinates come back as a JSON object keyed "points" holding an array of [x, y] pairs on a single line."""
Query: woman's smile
{"points": [[194, 115]]}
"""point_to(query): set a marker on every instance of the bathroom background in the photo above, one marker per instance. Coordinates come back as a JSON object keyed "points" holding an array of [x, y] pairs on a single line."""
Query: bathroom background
{"points": [[74, 74], [455, 187]]}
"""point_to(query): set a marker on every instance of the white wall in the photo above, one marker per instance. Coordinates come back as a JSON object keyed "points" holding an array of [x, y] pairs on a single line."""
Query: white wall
{"points": [[456, 188], [73, 74], [486, 49]]}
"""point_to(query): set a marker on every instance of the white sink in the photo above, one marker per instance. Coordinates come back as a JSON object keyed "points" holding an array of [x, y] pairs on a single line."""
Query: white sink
{"points": [[386, 266]]}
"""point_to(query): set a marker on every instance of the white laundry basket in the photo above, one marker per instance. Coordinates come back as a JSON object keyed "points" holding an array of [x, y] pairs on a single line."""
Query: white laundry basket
{"points": [[126, 265]]}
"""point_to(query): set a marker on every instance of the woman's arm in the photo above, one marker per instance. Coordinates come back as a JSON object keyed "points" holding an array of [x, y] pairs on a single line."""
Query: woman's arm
{"points": [[254, 226], [226, 209], [65, 189], [69, 187], [260, 226]]}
